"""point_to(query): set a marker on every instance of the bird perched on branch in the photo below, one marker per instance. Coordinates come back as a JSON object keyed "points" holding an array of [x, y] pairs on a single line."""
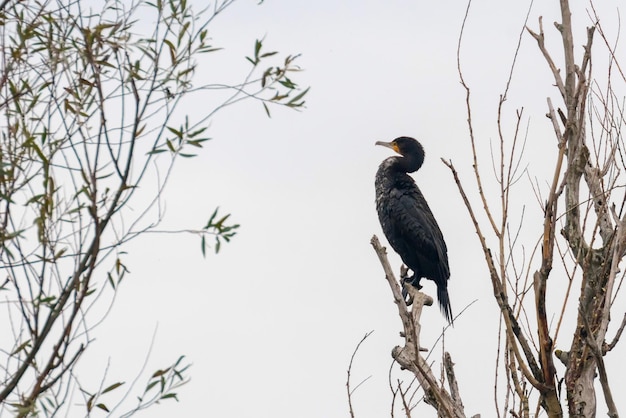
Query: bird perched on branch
{"points": [[408, 222]]}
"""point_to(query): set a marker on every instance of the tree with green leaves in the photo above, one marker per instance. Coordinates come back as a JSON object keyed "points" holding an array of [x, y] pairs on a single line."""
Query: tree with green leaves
{"points": [[93, 122]]}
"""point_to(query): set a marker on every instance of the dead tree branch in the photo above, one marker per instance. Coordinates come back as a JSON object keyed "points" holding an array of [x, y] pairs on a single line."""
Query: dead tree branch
{"points": [[409, 356]]}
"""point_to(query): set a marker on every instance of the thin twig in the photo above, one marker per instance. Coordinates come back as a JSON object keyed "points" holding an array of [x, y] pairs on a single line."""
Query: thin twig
{"points": [[507, 313], [351, 391], [470, 125]]}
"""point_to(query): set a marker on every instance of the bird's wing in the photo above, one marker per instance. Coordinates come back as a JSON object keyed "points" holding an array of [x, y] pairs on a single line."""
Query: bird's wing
{"points": [[417, 223]]}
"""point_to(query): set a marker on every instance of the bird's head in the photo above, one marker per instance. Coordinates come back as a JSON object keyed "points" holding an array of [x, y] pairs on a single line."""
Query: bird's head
{"points": [[409, 148], [404, 146]]}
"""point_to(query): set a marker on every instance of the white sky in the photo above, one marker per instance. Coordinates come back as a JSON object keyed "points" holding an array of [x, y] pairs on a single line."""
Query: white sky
{"points": [[270, 323]]}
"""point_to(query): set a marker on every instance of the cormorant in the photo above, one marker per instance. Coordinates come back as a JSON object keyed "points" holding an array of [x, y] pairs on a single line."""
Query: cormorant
{"points": [[408, 222]]}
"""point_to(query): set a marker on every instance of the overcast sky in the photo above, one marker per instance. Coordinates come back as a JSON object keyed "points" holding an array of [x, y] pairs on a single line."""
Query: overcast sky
{"points": [[270, 323]]}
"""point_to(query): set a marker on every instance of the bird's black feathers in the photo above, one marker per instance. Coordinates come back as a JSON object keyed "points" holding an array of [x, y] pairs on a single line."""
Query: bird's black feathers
{"points": [[408, 222]]}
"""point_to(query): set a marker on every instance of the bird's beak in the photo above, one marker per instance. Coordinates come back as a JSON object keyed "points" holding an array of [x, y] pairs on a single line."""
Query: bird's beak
{"points": [[391, 145]]}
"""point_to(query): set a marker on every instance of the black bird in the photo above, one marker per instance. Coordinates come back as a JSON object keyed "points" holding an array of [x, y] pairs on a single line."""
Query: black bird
{"points": [[408, 222]]}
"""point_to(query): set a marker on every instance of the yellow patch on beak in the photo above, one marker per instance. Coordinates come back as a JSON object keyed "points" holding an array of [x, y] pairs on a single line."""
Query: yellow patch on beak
{"points": [[391, 145]]}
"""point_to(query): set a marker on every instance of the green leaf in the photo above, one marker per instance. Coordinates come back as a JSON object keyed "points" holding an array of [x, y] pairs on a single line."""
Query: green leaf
{"points": [[21, 347], [90, 402], [266, 75], [169, 396], [209, 49], [59, 253], [105, 64], [140, 130], [288, 83], [294, 102], [110, 279], [178, 133], [183, 30], [113, 387], [47, 300], [197, 132], [103, 407], [221, 221], [186, 71], [197, 142], [180, 359], [172, 50], [210, 223], [278, 97], [160, 372], [68, 107]]}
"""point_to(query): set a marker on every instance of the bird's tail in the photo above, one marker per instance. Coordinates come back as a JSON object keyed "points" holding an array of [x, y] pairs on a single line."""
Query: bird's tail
{"points": [[444, 303]]}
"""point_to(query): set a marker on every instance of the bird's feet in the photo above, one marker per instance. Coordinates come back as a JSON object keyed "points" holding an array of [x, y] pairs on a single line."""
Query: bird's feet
{"points": [[409, 281]]}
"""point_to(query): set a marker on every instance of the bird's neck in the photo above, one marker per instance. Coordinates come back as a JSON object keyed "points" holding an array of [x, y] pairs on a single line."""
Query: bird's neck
{"points": [[392, 175], [407, 164]]}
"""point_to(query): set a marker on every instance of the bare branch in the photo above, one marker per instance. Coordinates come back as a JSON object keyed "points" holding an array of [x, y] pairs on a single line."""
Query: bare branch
{"points": [[348, 389], [540, 38], [409, 356], [470, 125], [510, 320], [597, 353], [454, 388]]}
